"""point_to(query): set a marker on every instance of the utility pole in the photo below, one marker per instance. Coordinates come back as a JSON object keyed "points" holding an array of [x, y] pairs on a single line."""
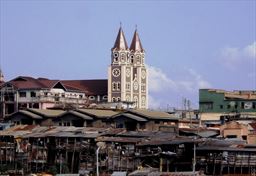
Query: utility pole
{"points": [[194, 159]]}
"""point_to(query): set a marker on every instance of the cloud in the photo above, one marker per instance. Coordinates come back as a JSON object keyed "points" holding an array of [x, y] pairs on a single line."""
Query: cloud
{"points": [[159, 81], [165, 90], [250, 50], [232, 57]]}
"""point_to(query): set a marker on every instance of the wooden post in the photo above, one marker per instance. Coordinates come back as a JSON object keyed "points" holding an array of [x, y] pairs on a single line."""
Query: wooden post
{"points": [[161, 165], [73, 155]]}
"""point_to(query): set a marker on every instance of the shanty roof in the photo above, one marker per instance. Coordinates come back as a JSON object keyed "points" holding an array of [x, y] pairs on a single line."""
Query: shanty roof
{"points": [[26, 113], [17, 131], [154, 114], [164, 142], [119, 139], [99, 113], [91, 87], [205, 133], [46, 112], [131, 116], [210, 116], [78, 114]]}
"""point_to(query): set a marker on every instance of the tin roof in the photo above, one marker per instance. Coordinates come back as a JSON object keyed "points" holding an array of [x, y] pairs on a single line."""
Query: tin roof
{"points": [[131, 116], [78, 114], [46, 112], [98, 113], [154, 114]]}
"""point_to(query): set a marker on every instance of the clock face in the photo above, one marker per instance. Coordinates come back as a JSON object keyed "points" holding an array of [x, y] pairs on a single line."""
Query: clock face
{"points": [[135, 86], [143, 74], [128, 72], [116, 72]]}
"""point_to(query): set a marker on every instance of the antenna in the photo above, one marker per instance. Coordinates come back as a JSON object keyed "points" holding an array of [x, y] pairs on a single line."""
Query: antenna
{"points": [[120, 24]]}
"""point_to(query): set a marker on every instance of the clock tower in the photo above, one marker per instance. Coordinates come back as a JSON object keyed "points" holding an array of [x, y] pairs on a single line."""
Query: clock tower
{"points": [[127, 74]]}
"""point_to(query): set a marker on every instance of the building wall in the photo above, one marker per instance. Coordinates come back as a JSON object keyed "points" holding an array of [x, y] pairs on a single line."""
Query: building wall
{"points": [[234, 129], [215, 101], [251, 139]]}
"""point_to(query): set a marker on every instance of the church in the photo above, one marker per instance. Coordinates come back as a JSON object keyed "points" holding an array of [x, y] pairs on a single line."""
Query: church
{"points": [[127, 74], [126, 84]]}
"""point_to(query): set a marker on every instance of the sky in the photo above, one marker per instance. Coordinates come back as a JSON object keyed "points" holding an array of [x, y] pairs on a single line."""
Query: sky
{"points": [[189, 44]]}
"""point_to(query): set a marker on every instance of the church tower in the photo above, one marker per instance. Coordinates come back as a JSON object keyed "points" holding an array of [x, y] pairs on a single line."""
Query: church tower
{"points": [[127, 74]]}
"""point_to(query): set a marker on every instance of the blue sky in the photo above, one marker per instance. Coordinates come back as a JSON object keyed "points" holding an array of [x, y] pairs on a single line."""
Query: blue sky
{"points": [[189, 44]]}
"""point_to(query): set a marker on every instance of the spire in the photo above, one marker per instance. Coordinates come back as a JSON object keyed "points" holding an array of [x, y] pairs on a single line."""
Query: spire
{"points": [[120, 42], [136, 43]]}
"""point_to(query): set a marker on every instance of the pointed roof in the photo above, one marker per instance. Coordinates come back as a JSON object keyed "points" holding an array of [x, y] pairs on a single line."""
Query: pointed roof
{"points": [[120, 42], [136, 43]]}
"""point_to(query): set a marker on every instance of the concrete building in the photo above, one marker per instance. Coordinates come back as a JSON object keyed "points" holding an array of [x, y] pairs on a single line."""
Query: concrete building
{"points": [[27, 92], [221, 101]]}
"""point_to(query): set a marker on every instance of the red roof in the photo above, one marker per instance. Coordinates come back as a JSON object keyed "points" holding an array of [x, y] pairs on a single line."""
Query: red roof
{"points": [[90, 87], [24, 82]]}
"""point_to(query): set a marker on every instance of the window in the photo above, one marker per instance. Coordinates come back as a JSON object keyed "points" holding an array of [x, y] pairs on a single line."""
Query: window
{"points": [[118, 86], [143, 101], [228, 106], [114, 99], [22, 94], [157, 122], [80, 96], [118, 99], [66, 123], [242, 105], [221, 106], [32, 94], [91, 98], [114, 86], [143, 87], [254, 105], [231, 136], [206, 105], [105, 97], [128, 86]]}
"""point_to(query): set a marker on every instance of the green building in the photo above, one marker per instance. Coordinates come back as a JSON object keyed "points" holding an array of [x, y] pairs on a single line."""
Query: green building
{"points": [[221, 101]]}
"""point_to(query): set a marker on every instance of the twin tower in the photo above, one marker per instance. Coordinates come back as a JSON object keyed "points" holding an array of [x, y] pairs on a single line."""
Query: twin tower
{"points": [[127, 74]]}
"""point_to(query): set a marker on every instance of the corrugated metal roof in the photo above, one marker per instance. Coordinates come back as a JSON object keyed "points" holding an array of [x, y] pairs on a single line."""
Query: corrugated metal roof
{"points": [[131, 116], [100, 113], [78, 114], [119, 139], [30, 114], [155, 114], [47, 112], [210, 116]]}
